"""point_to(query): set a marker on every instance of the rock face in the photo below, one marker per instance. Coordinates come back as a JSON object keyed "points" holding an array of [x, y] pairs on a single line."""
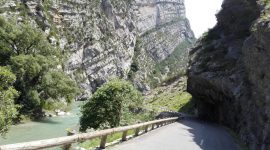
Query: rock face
{"points": [[104, 39], [164, 34], [229, 73]]}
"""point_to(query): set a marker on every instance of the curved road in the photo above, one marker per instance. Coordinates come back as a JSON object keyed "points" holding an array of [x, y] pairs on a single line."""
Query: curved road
{"points": [[187, 134]]}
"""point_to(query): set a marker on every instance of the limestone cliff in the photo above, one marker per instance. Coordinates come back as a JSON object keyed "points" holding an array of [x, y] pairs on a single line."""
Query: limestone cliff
{"points": [[103, 39], [164, 34], [229, 71]]}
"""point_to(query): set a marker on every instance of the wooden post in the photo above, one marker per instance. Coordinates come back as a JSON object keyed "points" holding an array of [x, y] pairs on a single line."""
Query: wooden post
{"points": [[137, 130], [146, 129], [153, 126], [69, 133], [124, 136], [103, 142]]}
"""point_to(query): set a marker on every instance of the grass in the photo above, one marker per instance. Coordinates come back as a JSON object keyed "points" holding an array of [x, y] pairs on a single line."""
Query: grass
{"points": [[111, 138], [175, 101]]}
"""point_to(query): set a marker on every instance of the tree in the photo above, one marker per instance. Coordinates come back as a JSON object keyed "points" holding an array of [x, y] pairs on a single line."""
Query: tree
{"points": [[8, 110], [37, 66], [109, 105], [16, 39]]}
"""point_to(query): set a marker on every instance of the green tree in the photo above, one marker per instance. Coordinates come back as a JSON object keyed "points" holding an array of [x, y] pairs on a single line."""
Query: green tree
{"points": [[109, 106], [57, 85], [22, 39], [37, 66], [8, 110]]}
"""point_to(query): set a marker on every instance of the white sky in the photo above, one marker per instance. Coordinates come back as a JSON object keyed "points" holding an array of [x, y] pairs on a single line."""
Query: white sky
{"points": [[201, 14]]}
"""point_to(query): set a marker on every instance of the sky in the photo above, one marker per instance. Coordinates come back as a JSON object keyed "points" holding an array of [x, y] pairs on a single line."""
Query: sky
{"points": [[201, 14]]}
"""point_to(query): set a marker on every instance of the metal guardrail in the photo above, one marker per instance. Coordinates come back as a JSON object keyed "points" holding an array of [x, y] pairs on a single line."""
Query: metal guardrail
{"points": [[67, 140]]}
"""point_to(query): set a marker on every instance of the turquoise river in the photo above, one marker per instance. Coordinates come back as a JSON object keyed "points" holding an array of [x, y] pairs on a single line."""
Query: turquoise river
{"points": [[47, 128]]}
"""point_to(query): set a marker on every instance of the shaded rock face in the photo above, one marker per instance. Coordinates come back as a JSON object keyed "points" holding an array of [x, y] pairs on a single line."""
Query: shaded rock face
{"points": [[104, 39], [229, 71]]}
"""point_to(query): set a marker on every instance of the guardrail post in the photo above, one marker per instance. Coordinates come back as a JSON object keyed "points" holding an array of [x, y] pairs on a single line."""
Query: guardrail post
{"points": [[124, 136], [69, 133], [153, 126], [103, 142], [146, 129], [137, 130]]}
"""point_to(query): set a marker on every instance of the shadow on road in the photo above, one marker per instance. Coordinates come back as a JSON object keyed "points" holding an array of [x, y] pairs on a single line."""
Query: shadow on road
{"points": [[209, 136]]}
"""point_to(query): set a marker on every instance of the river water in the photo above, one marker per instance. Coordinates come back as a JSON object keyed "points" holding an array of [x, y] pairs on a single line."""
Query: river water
{"points": [[47, 128]]}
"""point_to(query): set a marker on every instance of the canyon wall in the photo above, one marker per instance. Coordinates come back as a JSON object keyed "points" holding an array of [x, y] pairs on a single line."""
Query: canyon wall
{"points": [[164, 35], [229, 73], [104, 39]]}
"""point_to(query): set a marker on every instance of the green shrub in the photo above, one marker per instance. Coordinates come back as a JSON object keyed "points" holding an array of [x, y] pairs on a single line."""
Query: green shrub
{"points": [[112, 104]]}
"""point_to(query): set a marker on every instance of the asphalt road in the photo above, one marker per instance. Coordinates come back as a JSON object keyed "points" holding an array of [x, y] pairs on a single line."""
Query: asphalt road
{"points": [[188, 134]]}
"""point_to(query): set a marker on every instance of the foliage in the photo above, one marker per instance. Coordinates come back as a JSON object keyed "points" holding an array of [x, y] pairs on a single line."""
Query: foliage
{"points": [[174, 101], [237, 17], [210, 35], [171, 96], [37, 66], [112, 104], [8, 110], [22, 39], [57, 89], [135, 65]]}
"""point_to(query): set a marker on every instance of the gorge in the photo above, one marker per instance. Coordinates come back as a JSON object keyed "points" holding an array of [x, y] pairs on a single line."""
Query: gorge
{"points": [[144, 41], [150, 43]]}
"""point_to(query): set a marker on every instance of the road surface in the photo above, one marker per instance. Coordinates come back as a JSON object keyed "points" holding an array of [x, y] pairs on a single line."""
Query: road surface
{"points": [[188, 134]]}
